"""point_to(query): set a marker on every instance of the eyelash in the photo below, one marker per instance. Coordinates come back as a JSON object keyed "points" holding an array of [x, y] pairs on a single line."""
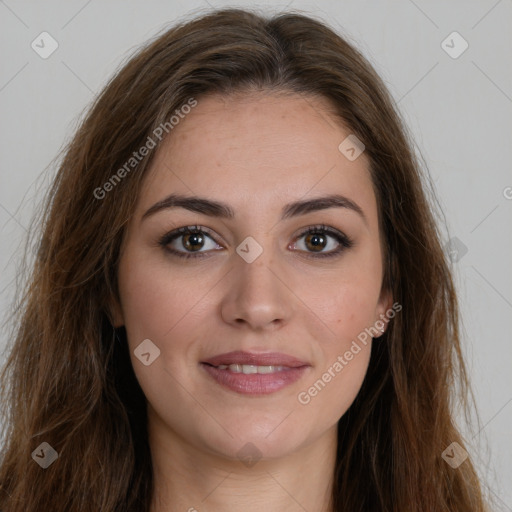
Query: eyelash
{"points": [[344, 241]]}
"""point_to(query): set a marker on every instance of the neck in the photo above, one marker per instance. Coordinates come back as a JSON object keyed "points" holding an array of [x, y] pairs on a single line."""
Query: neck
{"points": [[187, 478]]}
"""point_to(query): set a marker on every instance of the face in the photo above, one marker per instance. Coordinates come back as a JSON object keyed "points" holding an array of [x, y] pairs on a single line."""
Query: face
{"points": [[249, 278]]}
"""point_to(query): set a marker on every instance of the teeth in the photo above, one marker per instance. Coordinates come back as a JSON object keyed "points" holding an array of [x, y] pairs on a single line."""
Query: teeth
{"points": [[250, 368]]}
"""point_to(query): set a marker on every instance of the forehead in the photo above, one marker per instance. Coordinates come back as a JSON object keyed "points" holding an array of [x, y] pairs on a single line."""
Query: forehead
{"points": [[268, 148]]}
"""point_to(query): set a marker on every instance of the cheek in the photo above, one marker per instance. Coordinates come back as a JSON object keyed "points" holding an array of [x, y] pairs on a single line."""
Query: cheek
{"points": [[161, 307], [345, 303], [344, 354], [153, 300], [333, 389], [168, 308]]}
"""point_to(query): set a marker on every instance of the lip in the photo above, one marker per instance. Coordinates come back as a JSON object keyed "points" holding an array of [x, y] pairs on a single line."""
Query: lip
{"points": [[264, 359], [255, 383]]}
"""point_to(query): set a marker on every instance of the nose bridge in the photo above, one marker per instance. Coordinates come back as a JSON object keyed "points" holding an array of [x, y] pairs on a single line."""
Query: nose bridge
{"points": [[255, 293]]}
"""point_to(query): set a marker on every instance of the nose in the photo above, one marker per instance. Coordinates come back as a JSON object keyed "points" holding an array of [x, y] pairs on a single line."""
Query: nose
{"points": [[256, 295]]}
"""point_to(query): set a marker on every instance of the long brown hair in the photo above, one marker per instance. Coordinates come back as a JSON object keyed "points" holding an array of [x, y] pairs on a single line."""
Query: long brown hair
{"points": [[68, 379]]}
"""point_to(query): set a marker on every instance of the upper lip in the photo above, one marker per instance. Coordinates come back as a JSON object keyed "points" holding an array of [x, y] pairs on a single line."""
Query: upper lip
{"points": [[252, 358]]}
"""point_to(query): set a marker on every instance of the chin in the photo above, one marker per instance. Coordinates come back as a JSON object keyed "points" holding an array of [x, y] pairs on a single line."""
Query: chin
{"points": [[254, 441]]}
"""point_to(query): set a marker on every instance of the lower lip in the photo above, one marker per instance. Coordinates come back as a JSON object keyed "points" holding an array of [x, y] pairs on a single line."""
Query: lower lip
{"points": [[255, 383]]}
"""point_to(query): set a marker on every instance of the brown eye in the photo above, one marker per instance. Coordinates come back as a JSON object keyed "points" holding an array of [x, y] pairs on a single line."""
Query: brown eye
{"points": [[193, 241], [315, 241], [318, 238], [196, 238]]}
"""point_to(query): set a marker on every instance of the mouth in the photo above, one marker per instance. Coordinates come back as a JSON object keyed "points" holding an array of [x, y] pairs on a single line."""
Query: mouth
{"points": [[254, 374]]}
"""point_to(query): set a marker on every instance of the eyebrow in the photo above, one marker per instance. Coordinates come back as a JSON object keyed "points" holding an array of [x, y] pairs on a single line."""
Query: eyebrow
{"points": [[224, 211]]}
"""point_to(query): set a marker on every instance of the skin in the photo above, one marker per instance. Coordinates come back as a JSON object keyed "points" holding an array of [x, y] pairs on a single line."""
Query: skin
{"points": [[255, 152]]}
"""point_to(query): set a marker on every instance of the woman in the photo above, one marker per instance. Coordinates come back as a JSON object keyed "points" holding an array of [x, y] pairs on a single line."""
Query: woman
{"points": [[240, 297]]}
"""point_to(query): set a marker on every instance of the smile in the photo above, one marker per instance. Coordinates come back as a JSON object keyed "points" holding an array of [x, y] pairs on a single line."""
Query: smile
{"points": [[250, 368], [252, 379]]}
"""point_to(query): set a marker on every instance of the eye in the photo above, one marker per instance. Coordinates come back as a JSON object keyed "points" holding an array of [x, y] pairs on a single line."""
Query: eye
{"points": [[193, 238], [316, 238]]}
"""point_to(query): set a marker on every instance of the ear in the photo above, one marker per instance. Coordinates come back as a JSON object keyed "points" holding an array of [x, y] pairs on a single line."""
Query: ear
{"points": [[383, 305]]}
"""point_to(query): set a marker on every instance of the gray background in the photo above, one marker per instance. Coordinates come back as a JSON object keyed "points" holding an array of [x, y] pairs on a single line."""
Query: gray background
{"points": [[458, 110]]}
